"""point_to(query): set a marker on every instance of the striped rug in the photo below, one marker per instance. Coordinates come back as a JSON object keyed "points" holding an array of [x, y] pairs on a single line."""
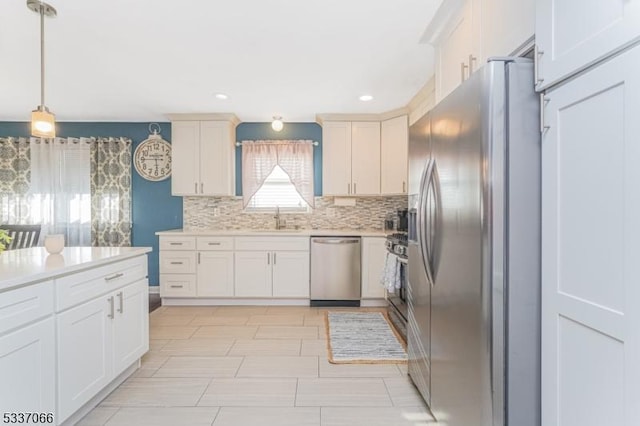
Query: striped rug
{"points": [[363, 338]]}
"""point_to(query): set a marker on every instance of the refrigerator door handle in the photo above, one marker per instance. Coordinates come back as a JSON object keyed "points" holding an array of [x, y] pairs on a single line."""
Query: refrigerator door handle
{"points": [[437, 225], [421, 219]]}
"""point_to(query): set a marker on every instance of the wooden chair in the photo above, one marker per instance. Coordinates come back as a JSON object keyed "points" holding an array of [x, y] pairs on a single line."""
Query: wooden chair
{"points": [[23, 236]]}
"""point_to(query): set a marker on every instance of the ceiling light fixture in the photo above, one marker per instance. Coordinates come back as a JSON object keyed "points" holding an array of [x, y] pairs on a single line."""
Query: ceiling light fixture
{"points": [[366, 98], [277, 123], [221, 96], [43, 122]]}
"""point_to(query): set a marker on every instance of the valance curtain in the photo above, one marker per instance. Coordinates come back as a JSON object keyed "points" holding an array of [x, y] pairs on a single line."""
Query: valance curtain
{"points": [[79, 187], [260, 157]]}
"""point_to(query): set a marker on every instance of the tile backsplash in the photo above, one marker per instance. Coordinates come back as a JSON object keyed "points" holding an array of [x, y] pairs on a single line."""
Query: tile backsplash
{"points": [[368, 213]]}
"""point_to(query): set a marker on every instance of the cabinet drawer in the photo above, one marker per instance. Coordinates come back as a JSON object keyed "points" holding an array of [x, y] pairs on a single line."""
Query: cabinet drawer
{"points": [[177, 262], [82, 286], [214, 243], [177, 243], [272, 243], [177, 285], [25, 304]]}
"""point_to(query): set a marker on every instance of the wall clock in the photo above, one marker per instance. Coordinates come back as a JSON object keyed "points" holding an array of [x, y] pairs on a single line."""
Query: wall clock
{"points": [[152, 158]]}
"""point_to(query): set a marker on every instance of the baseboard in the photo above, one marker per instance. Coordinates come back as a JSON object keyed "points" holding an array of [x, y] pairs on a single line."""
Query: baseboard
{"points": [[373, 303], [154, 289], [173, 301]]}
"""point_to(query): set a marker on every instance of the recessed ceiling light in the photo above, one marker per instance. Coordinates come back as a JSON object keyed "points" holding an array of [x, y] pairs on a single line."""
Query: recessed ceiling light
{"points": [[366, 98], [221, 96]]}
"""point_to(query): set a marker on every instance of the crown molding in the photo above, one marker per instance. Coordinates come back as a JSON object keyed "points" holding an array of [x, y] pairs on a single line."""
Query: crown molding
{"points": [[427, 91], [441, 20], [215, 116], [321, 118]]}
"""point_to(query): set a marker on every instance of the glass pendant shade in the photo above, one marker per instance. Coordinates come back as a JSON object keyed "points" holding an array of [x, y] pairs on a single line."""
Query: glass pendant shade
{"points": [[43, 123]]}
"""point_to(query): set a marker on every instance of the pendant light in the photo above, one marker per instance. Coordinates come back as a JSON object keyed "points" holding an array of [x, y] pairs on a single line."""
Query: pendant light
{"points": [[43, 122]]}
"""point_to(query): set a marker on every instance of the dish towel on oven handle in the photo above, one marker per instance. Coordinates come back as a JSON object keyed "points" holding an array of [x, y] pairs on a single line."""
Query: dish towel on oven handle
{"points": [[390, 277]]}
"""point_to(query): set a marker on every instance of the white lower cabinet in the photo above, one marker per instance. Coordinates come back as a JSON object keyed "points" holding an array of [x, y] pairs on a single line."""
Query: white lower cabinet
{"points": [[27, 368], [290, 274], [253, 274], [97, 341], [374, 254], [214, 274]]}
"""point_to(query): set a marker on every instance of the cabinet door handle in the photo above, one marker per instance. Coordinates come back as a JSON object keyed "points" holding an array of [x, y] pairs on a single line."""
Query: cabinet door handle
{"points": [[268, 258], [214, 244], [404, 186], [355, 190], [121, 298], [195, 190], [199, 257], [175, 244], [113, 277], [348, 188], [111, 312], [543, 102], [201, 188], [176, 286], [176, 263], [536, 64], [274, 257], [472, 59], [463, 67]]}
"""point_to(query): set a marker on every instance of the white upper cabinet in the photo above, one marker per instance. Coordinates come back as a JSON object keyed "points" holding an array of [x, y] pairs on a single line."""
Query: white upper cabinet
{"points": [[573, 34], [457, 49], [203, 159], [507, 26], [351, 158], [394, 142], [365, 158], [336, 158]]}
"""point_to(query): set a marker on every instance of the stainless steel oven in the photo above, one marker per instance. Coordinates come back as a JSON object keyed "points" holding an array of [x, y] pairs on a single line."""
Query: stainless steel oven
{"points": [[397, 300]]}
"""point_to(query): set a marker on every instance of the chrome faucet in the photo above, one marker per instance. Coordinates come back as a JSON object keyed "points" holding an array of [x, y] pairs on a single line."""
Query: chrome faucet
{"points": [[279, 224]]}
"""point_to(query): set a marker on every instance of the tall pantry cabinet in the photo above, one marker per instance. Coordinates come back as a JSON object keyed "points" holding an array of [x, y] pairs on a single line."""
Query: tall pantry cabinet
{"points": [[590, 211]]}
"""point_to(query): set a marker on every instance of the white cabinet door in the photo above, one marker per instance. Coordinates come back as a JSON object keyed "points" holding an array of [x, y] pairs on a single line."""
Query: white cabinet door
{"points": [[84, 353], [506, 26], [27, 369], [590, 246], [336, 158], [253, 274], [216, 155], [374, 254], [574, 34], [130, 325], [185, 157], [291, 274], [452, 52], [365, 158], [215, 274], [394, 143]]}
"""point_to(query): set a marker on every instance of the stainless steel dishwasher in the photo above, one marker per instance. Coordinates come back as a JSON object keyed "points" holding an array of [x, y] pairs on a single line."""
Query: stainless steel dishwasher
{"points": [[335, 271]]}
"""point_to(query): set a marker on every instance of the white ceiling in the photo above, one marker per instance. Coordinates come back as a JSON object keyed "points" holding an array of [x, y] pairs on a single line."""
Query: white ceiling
{"points": [[137, 60]]}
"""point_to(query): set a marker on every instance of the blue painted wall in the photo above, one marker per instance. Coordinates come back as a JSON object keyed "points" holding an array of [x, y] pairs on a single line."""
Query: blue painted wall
{"points": [[154, 209], [263, 131]]}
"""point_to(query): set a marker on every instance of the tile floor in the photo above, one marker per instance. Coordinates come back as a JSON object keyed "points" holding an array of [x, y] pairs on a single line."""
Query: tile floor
{"points": [[254, 365]]}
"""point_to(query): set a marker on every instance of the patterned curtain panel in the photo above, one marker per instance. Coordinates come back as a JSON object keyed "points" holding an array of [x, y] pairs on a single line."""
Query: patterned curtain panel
{"points": [[111, 192], [15, 179]]}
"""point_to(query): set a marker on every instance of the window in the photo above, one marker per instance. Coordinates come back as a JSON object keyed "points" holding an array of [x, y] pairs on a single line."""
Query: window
{"points": [[277, 191]]}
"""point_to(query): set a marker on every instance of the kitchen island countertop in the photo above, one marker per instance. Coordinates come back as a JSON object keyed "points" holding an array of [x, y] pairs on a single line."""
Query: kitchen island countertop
{"points": [[24, 266]]}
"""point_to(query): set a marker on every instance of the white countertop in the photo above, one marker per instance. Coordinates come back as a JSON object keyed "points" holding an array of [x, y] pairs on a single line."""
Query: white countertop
{"points": [[19, 267], [273, 232]]}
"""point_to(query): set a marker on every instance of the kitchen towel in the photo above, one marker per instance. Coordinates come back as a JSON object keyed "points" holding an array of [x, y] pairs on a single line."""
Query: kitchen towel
{"points": [[391, 279]]}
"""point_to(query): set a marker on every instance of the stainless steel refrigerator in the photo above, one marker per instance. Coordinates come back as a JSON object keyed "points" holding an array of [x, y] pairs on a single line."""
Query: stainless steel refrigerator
{"points": [[474, 250]]}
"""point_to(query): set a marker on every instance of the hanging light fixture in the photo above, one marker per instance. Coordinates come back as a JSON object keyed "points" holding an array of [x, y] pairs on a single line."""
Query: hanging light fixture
{"points": [[43, 122], [277, 123]]}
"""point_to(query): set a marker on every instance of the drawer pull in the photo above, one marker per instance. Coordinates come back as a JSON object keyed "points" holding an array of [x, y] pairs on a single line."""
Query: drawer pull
{"points": [[175, 244], [176, 286], [176, 263], [214, 244], [113, 277]]}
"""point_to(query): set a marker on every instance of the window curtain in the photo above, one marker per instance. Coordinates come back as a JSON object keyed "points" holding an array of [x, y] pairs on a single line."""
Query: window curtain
{"points": [[59, 192], [110, 192], [15, 179], [294, 157]]}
